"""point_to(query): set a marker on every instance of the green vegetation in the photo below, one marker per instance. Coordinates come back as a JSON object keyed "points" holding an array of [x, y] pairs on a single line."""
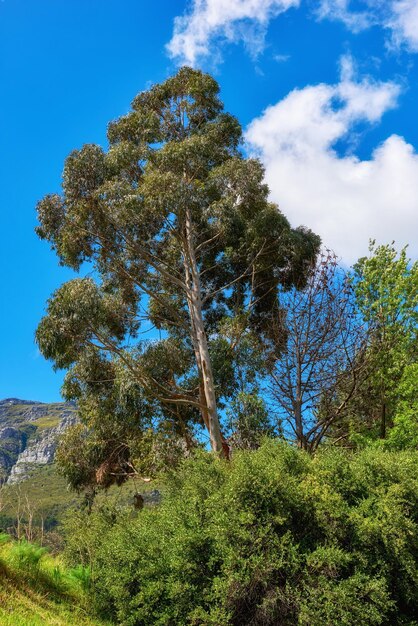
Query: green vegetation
{"points": [[404, 433], [386, 288], [305, 512], [35, 508], [38, 590], [178, 227], [274, 537], [48, 421]]}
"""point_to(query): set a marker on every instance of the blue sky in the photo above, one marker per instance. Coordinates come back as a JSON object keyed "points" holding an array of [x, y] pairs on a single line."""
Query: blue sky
{"points": [[327, 93]]}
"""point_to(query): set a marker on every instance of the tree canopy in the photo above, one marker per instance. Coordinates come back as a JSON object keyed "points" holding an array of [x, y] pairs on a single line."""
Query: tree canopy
{"points": [[386, 289], [322, 367], [181, 242]]}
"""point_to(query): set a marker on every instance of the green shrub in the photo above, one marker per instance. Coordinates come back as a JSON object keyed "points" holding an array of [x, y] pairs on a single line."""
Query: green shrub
{"points": [[80, 577], [274, 537], [26, 556], [4, 538]]}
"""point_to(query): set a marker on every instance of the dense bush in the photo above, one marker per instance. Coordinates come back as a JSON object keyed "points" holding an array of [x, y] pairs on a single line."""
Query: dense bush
{"points": [[274, 538]]}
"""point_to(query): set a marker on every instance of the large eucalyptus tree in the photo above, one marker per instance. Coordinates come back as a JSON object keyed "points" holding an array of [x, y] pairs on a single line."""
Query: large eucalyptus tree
{"points": [[178, 229]]}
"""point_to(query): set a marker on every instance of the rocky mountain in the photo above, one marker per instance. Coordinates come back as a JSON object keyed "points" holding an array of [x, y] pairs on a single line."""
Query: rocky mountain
{"points": [[29, 433], [31, 487]]}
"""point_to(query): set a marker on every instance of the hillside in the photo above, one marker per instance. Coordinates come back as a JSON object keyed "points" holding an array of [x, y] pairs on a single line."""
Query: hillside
{"points": [[37, 589], [29, 432], [21, 605], [33, 494]]}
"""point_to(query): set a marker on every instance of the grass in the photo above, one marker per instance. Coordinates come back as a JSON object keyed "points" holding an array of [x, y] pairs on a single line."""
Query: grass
{"points": [[47, 490], [47, 421], [36, 589]]}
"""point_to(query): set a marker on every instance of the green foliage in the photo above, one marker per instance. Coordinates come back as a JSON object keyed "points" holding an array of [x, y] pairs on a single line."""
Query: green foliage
{"points": [[249, 421], [26, 556], [386, 288], [274, 537], [37, 589], [180, 234], [404, 433], [386, 284], [4, 538]]}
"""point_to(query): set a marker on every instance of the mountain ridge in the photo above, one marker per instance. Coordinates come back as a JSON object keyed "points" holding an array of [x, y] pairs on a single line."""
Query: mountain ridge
{"points": [[29, 433]]}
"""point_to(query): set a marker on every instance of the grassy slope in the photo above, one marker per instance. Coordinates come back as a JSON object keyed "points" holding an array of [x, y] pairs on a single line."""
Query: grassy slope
{"points": [[45, 494], [22, 606], [37, 590], [45, 488]]}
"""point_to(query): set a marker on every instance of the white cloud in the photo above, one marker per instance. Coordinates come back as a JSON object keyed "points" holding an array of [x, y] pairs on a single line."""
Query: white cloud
{"points": [[344, 199], [340, 10], [201, 31], [404, 23], [209, 23], [399, 17]]}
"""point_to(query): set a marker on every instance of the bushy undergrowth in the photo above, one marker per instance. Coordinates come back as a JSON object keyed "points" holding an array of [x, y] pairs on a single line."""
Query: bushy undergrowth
{"points": [[274, 538]]}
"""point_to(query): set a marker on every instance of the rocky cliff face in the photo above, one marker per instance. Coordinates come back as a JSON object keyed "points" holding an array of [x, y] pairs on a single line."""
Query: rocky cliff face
{"points": [[29, 433]]}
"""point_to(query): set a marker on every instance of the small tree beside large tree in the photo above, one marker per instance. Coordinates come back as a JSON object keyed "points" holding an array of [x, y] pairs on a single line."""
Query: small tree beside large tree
{"points": [[322, 366], [386, 289], [179, 234]]}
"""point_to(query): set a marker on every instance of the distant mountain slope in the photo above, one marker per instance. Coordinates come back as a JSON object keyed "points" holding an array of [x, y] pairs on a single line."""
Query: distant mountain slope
{"points": [[29, 433], [32, 487]]}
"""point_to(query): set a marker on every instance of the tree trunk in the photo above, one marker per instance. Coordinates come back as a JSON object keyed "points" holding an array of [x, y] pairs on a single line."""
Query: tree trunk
{"points": [[203, 361], [297, 404], [300, 438]]}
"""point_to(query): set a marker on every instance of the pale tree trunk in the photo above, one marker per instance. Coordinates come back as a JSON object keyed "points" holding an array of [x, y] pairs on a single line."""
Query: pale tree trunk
{"points": [[200, 344]]}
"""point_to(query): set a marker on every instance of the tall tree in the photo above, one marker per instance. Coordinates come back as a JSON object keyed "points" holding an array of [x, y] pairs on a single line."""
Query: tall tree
{"points": [[178, 229], [321, 367], [386, 289]]}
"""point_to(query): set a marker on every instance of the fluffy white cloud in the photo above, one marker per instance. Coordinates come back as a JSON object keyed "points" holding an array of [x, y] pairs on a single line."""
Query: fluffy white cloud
{"points": [[344, 199], [403, 22], [199, 33], [209, 23], [400, 17]]}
